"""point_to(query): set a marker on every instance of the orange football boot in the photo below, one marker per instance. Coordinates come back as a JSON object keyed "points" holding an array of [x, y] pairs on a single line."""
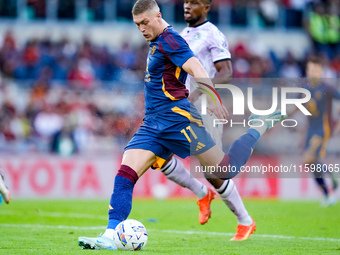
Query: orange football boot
{"points": [[243, 232], [204, 205]]}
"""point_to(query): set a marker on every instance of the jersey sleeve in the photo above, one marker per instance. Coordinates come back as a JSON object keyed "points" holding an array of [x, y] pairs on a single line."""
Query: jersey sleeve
{"points": [[176, 48], [218, 46]]}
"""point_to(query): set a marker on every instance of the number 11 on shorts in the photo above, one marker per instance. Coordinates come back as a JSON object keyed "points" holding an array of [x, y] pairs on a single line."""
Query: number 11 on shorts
{"points": [[186, 134]]}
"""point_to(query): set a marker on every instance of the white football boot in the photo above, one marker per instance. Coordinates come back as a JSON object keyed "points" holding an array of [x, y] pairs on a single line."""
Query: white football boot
{"points": [[97, 243]]}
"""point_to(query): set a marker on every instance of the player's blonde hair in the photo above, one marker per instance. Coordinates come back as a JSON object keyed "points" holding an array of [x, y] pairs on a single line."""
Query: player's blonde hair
{"points": [[142, 6]]}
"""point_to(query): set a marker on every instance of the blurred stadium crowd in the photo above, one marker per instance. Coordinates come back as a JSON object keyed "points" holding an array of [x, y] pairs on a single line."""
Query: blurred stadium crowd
{"points": [[268, 13], [65, 97]]}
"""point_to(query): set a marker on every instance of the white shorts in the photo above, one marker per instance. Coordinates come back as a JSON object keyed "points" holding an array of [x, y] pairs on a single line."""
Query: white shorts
{"points": [[208, 122]]}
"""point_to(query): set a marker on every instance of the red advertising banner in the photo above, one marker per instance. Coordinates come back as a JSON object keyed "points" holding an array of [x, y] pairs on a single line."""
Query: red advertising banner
{"points": [[37, 176]]}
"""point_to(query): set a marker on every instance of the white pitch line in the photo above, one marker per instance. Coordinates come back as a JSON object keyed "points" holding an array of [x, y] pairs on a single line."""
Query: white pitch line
{"points": [[73, 215], [170, 231], [51, 226], [255, 235], [57, 215]]}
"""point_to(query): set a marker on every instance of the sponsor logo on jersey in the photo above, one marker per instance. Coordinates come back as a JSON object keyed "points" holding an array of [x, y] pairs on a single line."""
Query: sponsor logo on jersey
{"points": [[318, 95]]}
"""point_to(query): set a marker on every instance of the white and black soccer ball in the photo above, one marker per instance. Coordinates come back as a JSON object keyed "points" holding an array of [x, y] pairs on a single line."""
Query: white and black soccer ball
{"points": [[130, 235]]}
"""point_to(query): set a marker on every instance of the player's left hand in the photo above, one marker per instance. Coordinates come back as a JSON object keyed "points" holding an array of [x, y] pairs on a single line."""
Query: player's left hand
{"points": [[194, 96]]}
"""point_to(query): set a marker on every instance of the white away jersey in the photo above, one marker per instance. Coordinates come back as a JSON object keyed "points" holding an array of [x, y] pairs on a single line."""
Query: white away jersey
{"points": [[209, 45]]}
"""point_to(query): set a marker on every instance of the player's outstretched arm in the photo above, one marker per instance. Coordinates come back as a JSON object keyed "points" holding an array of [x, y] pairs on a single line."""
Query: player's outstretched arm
{"points": [[193, 67], [223, 76]]}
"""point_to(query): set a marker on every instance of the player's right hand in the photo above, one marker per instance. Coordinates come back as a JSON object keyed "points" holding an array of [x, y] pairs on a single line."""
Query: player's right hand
{"points": [[219, 110]]}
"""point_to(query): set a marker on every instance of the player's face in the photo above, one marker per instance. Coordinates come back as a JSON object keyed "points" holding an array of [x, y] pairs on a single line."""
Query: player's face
{"points": [[149, 23], [195, 11], [313, 70], [314, 73]]}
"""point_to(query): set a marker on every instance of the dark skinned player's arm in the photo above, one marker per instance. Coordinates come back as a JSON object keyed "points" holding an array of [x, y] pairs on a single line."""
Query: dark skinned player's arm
{"points": [[224, 72]]}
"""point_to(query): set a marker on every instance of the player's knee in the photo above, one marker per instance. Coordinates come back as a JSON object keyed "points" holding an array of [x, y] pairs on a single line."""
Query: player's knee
{"points": [[225, 169], [228, 175], [309, 158], [213, 180], [209, 176]]}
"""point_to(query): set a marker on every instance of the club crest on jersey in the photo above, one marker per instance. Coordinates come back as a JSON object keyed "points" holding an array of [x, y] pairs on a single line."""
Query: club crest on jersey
{"points": [[153, 49], [197, 36], [318, 95]]}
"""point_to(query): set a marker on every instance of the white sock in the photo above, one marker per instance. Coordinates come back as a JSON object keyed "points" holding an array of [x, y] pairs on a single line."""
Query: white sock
{"points": [[109, 233], [246, 221], [203, 192], [233, 200], [176, 172]]}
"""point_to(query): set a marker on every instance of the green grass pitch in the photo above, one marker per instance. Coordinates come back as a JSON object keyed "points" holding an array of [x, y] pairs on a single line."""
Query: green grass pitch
{"points": [[53, 227]]}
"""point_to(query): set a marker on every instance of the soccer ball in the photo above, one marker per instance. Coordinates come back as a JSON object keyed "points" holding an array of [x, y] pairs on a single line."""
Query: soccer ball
{"points": [[130, 235]]}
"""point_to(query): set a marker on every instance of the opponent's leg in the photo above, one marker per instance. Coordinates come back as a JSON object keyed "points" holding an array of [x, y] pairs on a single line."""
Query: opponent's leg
{"points": [[321, 183], [329, 198], [230, 196], [226, 188], [237, 156], [246, 225], [4, 192], [335, 182], [175, 171]]}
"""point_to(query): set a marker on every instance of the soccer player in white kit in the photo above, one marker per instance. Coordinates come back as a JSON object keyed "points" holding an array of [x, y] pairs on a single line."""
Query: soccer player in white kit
{"points": [[4, 192], [211, 48]]}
